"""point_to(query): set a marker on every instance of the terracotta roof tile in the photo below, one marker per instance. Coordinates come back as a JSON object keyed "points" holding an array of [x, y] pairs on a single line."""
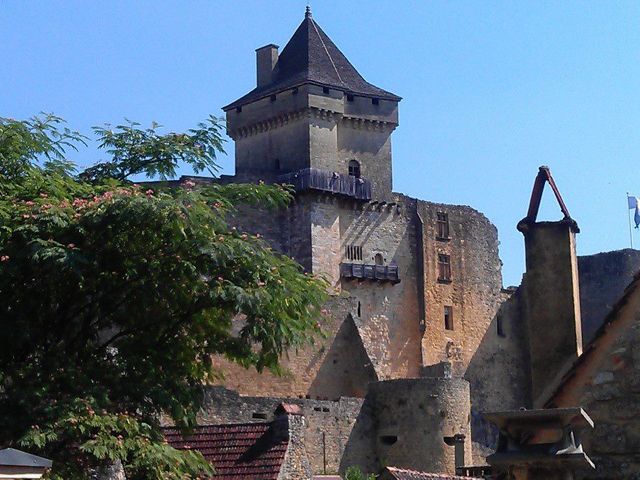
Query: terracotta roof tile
{"points": [[239, 451], [403, 474], [289, 408]]}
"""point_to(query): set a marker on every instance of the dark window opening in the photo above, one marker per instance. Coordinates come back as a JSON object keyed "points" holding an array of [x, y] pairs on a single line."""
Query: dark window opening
{"points": [[349, 97], [442, 225], [354, 168], [317, 409], [378, 259], [444, 268], [375, 101], [388, 439], [353, 252], [259, 416], [295, 91], [239, 109], [359, 309], [448, 318], [273, 98], [325, 89], [325, 409], [500, 326]]}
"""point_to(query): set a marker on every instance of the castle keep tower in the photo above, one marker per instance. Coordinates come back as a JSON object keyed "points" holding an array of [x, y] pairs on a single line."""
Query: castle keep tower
{"points": [[412, 283], [313, 115]]}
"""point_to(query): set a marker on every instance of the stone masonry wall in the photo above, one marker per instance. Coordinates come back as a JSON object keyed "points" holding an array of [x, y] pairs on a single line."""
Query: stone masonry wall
{"points": [[371, 147], [387, 314], [603, 278], [499, 373], [302, 365], [412, 417], [475, 289], [296, 460], [327, 425], [607, 386]]}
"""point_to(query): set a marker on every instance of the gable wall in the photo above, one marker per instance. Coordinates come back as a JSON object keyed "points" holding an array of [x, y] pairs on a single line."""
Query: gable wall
{"points": [[606, 383]]}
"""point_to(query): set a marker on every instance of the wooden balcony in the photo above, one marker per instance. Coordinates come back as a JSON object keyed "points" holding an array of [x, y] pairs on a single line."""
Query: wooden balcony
{"points": [[376, 273], [333, 182]]}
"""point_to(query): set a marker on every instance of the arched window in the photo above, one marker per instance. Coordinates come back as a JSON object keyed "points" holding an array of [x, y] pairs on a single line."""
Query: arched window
{"points": [[354, 168], [378, 259]]}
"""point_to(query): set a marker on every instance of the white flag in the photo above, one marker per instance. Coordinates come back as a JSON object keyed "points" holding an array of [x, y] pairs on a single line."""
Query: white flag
{"points": [[634, 202]]}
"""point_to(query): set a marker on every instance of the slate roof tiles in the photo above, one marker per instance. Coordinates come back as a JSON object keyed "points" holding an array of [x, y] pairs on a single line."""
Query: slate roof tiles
{"points": [[311, 57]]}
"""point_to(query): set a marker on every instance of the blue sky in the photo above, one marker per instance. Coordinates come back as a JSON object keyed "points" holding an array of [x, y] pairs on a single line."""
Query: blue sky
{"points": [[491, 90]]}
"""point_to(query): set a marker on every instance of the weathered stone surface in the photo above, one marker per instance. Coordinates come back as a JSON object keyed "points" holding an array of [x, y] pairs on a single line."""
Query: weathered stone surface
{"points": [[327, 428]]}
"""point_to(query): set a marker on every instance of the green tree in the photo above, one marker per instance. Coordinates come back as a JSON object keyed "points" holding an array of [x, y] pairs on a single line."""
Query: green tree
{"points": [[354, 473], [114, 296]]}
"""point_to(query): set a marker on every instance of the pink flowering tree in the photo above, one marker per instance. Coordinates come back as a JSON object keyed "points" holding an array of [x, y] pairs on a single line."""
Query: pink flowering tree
{"points": [[114, 296]]}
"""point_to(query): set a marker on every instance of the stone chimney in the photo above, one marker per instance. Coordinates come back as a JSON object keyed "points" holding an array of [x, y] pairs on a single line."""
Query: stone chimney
{"points": [[551, 292], [266, 59]]}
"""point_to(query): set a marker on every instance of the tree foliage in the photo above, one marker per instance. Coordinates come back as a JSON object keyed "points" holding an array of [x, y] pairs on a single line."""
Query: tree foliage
{"points": [[114, 296], [354, 473]]}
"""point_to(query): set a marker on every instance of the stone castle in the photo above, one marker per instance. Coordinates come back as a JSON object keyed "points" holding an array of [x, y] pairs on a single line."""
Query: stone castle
{"points": [[421, 335]]}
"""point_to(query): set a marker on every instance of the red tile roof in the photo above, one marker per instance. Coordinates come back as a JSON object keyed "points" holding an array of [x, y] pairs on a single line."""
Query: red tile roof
{"points": [[402, 474], [242, 451], [289, 408]]}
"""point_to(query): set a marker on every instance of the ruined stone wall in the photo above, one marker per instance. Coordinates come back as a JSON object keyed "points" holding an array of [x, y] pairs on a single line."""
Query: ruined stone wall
{"points": [[475, 289], [327, 427]]}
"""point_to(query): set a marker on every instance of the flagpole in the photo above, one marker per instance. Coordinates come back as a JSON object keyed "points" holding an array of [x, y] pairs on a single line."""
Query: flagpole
{"points": [[629, 214]]}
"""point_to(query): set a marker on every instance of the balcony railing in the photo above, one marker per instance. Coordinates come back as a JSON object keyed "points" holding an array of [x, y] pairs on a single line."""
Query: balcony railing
{"points": [[339, 184], [360, 271]]}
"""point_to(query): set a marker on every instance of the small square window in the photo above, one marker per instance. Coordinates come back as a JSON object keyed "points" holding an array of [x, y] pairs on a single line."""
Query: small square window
{"points": [[442, 225], [349, 97], [444, 268], [375, 101], [239, 109], [448, 318], [325, 90]]}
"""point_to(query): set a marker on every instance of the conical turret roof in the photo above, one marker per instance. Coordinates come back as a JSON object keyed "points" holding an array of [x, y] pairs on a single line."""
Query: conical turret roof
{"points": [[311, 57]]}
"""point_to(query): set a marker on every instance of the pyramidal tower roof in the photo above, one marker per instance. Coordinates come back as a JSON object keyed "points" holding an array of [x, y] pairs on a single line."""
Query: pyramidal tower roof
{"points": [[311, 57]]}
